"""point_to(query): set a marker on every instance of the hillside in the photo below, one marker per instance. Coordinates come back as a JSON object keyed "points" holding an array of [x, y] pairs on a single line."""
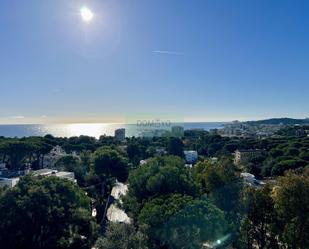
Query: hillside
{"points": [[278, 121]]}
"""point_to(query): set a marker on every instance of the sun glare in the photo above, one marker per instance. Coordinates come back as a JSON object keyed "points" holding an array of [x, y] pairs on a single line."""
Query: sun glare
{"points": [[86, 14], [93, 130]]}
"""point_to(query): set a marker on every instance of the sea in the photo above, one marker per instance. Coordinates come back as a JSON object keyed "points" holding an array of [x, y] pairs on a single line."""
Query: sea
{"points": [[88, 129]]}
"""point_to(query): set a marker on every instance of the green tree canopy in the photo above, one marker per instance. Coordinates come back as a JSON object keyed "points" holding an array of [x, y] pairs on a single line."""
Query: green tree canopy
{"points": [[72, 164], [111, 163], [257, 228], [46, 212], [175, 147], [291, 199], [122, 236], [17, 152], [280, 167], [158, 210], [177, 221], [135, 152], [159, 176], [221, 182]]}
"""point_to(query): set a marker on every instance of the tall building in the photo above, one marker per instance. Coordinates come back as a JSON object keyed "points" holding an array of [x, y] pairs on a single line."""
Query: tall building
{"points": [[120, 134], [177, 131]]}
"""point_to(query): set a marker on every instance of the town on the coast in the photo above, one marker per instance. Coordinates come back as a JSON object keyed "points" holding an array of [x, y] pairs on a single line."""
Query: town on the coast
{"points": [[243, 186]]}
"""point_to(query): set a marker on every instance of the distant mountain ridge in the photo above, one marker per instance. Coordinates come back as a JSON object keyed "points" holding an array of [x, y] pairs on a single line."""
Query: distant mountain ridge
{"points": [[278, 121]]}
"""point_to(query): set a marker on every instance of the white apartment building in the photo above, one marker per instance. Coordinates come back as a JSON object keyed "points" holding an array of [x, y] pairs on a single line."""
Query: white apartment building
{"points": [[10, 179], [191, 156]]}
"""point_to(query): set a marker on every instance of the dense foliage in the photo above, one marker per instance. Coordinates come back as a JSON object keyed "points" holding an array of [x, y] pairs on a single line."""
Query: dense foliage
{"points": [[46, 212], [109, 162], [277, 215], [122, 236], [171, 204], [175, 219], [159, 176]]}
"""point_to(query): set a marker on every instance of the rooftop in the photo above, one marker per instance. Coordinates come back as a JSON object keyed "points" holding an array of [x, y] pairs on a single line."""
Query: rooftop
{"points": [[11, 174], [45, 172]]}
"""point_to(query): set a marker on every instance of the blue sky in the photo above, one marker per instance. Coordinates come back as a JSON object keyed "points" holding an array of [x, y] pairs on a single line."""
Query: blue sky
{"points": [[203, 60]]}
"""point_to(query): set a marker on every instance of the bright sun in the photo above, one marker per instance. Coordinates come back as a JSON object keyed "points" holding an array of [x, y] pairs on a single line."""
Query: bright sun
{"points": [[86, 14]]}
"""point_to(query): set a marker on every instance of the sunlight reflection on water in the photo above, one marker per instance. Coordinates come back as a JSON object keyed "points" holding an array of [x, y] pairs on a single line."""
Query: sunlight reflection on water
{"points": [[70, 130], [88, 129]]}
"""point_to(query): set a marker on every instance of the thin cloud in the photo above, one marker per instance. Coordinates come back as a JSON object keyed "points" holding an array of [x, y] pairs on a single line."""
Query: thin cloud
{"points": [[17, 117], [167, 52]]}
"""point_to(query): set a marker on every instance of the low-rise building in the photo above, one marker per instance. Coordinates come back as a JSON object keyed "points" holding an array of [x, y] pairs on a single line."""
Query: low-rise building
{"points": [[11, 178], [9, 181], [51, 172], [244, 156], [191, 156]]}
